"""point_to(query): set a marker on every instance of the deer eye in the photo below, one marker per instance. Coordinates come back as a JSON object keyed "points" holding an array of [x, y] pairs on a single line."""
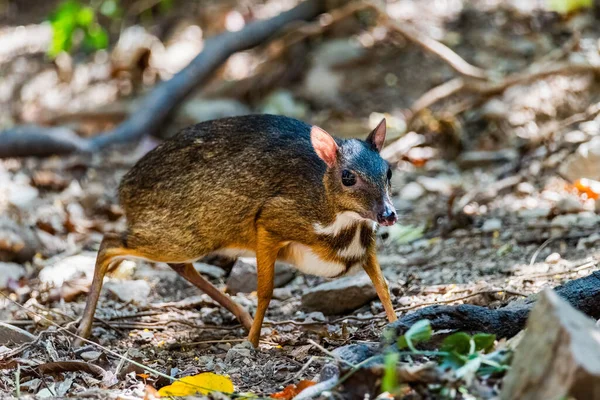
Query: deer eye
{"points": [[348, 178], [389, 174]]}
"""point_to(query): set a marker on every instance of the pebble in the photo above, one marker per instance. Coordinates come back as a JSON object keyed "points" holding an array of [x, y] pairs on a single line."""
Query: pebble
{"points": [[564, 221], [569, 204], [209, 270], [525, 188], [553, 258], [8, 272], [534, 213], [130, 291], [341, 295], [412, 191], [90, 355], [492, 225]]}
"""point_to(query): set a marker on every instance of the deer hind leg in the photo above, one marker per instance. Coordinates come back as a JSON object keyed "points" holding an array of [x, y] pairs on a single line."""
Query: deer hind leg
{"points": [[188, 271], [111, 250]]}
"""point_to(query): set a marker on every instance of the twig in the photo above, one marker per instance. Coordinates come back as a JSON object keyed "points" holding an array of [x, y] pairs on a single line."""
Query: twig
{"points": [[330, 354]]}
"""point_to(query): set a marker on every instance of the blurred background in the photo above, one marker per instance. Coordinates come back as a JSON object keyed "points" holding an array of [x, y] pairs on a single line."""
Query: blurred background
{"points": [[493, 132]]}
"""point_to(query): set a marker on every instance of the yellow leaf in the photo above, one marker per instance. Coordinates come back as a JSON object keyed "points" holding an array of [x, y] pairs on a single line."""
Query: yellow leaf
{"points": [[203, 383]]}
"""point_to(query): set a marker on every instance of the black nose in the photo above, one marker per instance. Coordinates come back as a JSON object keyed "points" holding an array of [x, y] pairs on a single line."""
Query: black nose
{"points": [[388, 217]]}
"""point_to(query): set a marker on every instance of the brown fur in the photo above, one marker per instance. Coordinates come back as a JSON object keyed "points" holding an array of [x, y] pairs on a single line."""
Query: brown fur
{"points": [[252, 183]]}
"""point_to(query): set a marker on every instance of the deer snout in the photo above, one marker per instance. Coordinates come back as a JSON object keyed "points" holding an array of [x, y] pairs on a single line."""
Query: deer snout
{"points": [[387, 215]]}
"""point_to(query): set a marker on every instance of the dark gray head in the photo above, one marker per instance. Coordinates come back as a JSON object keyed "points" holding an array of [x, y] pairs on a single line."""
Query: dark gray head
{"points": [[357, 178]]}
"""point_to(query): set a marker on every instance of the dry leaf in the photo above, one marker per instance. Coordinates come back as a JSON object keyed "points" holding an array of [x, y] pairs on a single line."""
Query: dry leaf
{"points": [[292, 391], [203, 383]]}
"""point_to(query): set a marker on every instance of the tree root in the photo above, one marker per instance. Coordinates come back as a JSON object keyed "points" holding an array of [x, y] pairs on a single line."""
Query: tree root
{"points": [[162, 100], [505, 322]]}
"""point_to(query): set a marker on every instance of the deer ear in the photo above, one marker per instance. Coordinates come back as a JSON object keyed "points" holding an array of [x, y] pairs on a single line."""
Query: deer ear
{"points": [[324, 145], [377, 136]]}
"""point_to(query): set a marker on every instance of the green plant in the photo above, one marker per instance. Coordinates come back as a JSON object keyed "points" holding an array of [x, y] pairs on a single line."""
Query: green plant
{"points": [[73, 22], [568, 6], [467, 355]]}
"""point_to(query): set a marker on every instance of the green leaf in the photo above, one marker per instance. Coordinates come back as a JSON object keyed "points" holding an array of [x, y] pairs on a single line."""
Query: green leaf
{"points": [[85, 17], [420, 331], [96, 38], [459, 342], [452, 361], [568, 6], [389, 382], [484, 341]]}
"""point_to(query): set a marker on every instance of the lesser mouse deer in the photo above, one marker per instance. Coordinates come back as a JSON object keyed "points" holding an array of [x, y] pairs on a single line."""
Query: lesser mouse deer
{"points": [[269, 185]]}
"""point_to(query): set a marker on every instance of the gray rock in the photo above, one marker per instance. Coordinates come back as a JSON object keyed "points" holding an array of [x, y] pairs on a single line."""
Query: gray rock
{"points": [[69, 268], [475, 159], [282, 293], [569, 204], [243, 278], [135, 291], [282, 102], [10, 271], [412, 191], [90, 355], [534, 213], [210, 270], [340, 295], [10, 335], [564, 221], [492, 225], [241, 350]]}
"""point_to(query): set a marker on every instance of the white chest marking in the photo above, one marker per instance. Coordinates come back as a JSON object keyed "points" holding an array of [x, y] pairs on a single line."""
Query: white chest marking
{"points": [[342, 221], [310, 263], [355, 248]]}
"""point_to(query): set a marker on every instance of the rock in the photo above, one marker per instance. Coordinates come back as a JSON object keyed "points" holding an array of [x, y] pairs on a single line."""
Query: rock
{"points": [[558, 357], [495, 109], [477, 159], [8, 272], [492, 225], [525, 188], [199, 109], [243, 279], [534, 213], [130, 291], [240, 350], [584, 163], [553, 258], [22, 196], [282, 102], [355, 353], [564, 221], [435, 185], [340, 295], [69, 268], [591, 241], [210, 270], [10, 335], [90, 355], [587, 219], [282, 293], [569, 204], [412, 191]]}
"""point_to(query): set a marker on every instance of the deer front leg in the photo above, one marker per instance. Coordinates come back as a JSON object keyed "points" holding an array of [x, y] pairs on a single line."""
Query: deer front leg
{"points": [[373, 269]]}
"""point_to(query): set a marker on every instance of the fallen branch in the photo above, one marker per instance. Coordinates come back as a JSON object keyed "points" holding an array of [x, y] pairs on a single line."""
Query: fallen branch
{"points": [[162, 100], [505, 322]]}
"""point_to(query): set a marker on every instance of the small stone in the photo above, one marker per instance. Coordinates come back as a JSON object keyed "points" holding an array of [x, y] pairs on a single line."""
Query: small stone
{"points": [[243, 278], [525, 188], [569, 204], [534, 213], [240, 350], [412, 191], [553, 258], [198, 109], [22, 196], [564, 221], [282, 293], [435, 185], [478, 159], [90, 355], [584, 163], [315, 316], [587, 219], [10, 272], [10, 334], [69, 268], [495, 109], [282, 102], [210, 270], [492, 225], [130, 291], [341, 295]]}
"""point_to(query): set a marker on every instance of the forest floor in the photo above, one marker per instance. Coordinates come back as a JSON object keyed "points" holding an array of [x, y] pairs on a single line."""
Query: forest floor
{"points": [[490, 207]]}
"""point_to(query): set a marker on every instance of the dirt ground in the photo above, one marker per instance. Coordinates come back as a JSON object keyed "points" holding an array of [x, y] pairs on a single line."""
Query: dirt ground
{"points": [[471, 230]]}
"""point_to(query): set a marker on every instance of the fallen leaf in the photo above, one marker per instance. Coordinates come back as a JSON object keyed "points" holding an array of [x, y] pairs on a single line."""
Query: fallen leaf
{"points": [[203, 383], [589, 187], [291, 391]]}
